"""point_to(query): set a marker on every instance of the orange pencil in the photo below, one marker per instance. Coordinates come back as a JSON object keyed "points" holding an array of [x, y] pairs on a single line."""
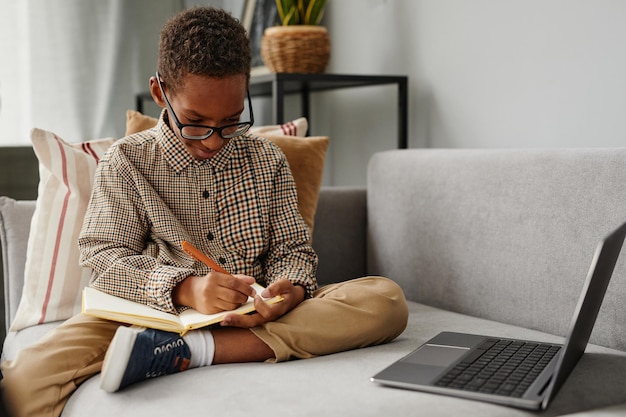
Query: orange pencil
{"points": [[199, 256]]}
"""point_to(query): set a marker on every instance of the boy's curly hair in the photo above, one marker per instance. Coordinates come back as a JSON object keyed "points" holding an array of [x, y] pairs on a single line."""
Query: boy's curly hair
{"points": [[203, 41]]}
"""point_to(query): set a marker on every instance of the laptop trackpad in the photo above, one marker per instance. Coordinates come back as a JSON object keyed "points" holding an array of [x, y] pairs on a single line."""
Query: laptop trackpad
{"points": [[441, 356]]}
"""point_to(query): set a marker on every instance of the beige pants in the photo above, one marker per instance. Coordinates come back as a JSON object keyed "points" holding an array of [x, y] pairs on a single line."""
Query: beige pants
{"points": [[348, 315]]}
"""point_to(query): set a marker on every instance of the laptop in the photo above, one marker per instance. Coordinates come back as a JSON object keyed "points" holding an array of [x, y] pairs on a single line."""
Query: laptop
{"points": [[517, 373]]}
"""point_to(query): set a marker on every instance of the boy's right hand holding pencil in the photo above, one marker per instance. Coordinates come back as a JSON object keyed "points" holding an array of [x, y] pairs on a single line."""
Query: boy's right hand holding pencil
{"points": [[217, 291]]}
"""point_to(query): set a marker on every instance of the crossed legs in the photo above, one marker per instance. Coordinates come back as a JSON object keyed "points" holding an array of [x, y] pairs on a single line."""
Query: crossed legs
{"points": [[348, 315]]}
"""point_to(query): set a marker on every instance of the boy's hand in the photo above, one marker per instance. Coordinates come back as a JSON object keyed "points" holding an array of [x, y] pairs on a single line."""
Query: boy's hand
{"points": [[292, 296], [214, 292]]}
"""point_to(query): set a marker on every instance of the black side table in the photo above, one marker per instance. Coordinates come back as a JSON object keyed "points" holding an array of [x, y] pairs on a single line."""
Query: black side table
{"points": [[278, 85]]}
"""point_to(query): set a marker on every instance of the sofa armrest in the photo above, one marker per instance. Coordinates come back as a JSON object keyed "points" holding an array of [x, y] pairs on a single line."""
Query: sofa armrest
{"points": [[339, 234], [15, 217]]}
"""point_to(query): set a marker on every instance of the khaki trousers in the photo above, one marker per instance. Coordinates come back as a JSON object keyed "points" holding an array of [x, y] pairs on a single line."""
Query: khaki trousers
{"points": [[348, 315]]}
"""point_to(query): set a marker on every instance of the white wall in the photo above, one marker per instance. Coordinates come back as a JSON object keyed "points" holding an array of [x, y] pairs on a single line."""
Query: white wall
{"points": [[482, 73]]}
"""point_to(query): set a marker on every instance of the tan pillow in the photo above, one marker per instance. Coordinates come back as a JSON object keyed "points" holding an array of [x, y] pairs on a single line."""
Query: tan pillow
{"points": [[53, 279], [306, 159], [136, 122]]}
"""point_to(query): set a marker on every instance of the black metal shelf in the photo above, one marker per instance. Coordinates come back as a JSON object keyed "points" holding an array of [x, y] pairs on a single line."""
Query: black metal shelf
{"points": [[279, 85]]}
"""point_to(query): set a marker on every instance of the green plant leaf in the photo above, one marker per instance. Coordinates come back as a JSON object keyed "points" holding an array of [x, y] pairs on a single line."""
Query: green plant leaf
{"points": [[281, 6], [314, 12], [288, 12], [301, 12], [301, 9], [292, 17]]}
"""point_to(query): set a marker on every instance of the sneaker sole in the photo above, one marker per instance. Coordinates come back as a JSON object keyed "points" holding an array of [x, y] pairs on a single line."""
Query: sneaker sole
{"points": [[113, 367]]}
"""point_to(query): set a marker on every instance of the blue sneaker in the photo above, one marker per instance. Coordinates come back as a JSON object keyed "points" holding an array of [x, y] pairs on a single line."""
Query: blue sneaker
{"points": [[137, 353]]}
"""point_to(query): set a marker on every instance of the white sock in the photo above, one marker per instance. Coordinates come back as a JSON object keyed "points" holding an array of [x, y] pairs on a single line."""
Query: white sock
{"points": [[202, 347]]}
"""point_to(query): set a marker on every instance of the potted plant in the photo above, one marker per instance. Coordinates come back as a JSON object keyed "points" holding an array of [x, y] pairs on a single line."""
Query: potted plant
{"points": [[300, 44]]}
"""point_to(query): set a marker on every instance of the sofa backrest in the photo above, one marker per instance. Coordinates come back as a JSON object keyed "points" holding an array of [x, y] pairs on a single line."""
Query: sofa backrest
{"points": [[339, 234], [506, 235]]}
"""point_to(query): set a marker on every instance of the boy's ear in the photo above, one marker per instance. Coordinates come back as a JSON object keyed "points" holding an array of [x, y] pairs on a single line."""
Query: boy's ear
{"points": [[155, 91]]}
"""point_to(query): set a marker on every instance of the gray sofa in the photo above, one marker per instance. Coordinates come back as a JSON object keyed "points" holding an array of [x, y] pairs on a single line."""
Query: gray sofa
{"points": [[494, 242]]}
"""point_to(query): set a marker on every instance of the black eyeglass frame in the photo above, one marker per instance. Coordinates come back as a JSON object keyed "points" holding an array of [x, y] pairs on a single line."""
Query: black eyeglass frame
{"points": [[211, 129]]}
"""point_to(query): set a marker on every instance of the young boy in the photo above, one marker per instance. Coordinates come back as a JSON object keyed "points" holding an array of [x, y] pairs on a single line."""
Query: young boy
{"points": [[198, 177]]}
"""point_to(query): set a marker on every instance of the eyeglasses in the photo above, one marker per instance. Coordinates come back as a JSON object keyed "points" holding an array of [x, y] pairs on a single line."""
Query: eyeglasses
{"points": [[200, 132]]}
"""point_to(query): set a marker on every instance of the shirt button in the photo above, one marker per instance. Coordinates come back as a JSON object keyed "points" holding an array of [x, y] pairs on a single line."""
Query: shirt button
{"points": [[205, 194], [222, 260], [210, 236]]}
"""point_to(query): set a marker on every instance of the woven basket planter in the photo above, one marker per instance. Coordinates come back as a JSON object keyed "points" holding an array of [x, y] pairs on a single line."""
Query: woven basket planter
{"points": [[300, 48]]}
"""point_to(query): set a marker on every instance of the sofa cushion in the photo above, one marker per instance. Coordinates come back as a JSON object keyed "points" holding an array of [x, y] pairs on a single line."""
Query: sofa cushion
{"points": [[339, 384], [18, 340]]}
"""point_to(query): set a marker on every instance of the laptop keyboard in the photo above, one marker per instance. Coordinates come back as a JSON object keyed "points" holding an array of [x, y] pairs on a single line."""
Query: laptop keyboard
{"points": [[501, 367]]}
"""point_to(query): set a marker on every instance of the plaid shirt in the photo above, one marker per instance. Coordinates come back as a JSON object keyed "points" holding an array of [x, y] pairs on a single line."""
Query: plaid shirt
{"points": [[239, 207]]}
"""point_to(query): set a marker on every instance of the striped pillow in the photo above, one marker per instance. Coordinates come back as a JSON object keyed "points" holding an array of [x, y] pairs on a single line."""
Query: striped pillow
{"points": [[53, 279], [297, 127]]}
